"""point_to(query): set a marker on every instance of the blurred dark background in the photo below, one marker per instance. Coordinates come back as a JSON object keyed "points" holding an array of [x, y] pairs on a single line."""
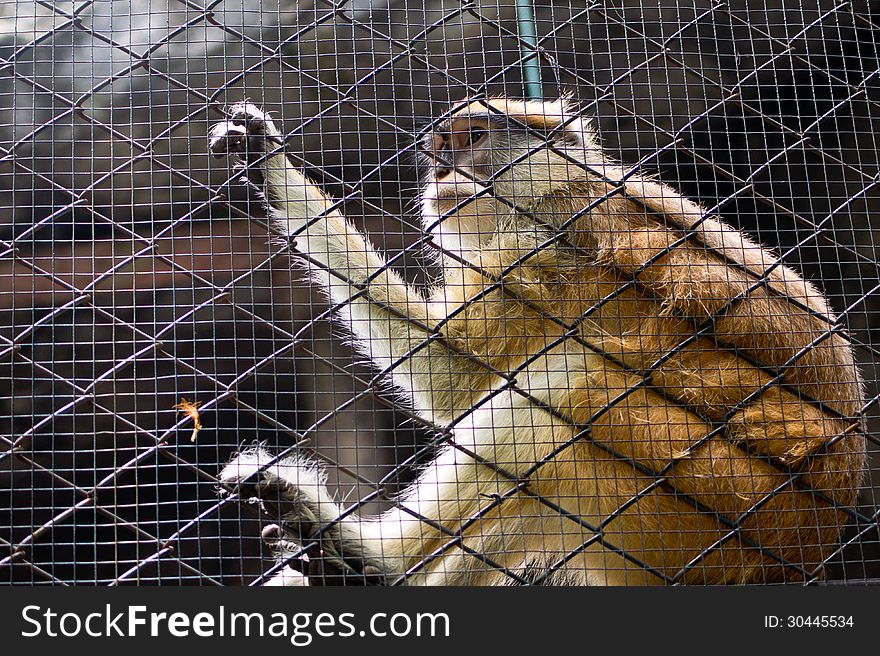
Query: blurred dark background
{"points": [[134, 274]]}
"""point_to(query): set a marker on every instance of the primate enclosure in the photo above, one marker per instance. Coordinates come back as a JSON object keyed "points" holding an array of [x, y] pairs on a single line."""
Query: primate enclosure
{"points": [[152, 319]]}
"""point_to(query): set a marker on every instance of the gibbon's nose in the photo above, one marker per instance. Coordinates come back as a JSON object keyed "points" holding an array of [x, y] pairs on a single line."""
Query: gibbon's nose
{"points": [[445, 147], [438, 145], [437, 142]]}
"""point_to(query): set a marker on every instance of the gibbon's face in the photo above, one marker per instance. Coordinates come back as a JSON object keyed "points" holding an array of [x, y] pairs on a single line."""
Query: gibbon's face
{"points": [[467, 149], [469, 160], [492, 155]]}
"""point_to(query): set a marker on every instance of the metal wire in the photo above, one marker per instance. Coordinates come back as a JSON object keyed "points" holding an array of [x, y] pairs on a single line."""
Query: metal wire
{"points": [[152, 324]]}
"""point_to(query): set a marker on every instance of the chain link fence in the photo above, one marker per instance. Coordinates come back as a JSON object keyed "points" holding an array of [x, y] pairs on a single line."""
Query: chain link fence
{"points": [[152, 324]]}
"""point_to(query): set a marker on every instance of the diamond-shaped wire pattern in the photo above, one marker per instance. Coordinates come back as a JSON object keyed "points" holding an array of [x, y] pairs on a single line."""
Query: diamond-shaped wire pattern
{"points": [[137, 274]]}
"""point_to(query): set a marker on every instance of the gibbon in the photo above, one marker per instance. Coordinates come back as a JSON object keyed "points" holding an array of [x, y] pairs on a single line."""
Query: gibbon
{"points": [[626, 389]]}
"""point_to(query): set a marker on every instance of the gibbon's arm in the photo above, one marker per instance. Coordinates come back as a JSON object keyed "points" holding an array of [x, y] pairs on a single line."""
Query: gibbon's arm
{"points": [[387, 315]]}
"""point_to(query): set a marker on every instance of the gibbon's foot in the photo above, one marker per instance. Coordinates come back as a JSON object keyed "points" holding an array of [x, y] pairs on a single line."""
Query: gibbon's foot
{"points": [[248, 133], [296, 570], [293, 491], [289, 490], [277, 539], [313, 568]]}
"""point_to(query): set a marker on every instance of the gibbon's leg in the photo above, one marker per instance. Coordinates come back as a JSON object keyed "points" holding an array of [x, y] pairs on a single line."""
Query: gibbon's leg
{"points": [[478, 508], [364, 551], [388, 317], [375, 551]]}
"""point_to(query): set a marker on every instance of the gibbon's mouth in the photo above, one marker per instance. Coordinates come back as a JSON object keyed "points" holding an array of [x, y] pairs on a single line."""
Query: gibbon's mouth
{"points": [[448, 190], [448, 195], [453, 184], [443, 174]]}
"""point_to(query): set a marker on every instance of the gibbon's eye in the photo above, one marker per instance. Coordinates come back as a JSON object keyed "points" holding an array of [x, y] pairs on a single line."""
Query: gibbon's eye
{"points": [[475, 135]]}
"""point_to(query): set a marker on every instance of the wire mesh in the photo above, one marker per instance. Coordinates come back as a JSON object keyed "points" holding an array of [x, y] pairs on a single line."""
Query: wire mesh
{"points": [[153, 324]]}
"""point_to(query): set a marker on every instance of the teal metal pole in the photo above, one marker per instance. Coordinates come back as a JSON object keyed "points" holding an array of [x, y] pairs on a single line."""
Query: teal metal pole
{"points": [[525, 16]]}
